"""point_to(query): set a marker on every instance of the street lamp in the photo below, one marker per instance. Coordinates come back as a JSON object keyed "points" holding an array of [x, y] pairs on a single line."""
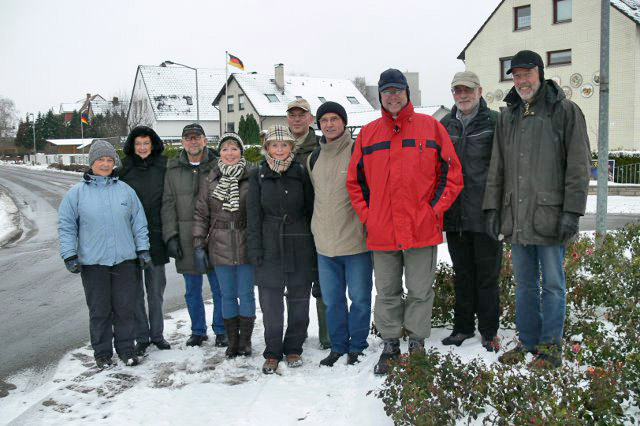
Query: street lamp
{"points": [[165, 63], [33, 117]]}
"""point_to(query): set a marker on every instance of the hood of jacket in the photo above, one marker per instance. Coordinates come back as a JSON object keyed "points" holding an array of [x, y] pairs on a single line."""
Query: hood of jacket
{"points": [[156, 142]]}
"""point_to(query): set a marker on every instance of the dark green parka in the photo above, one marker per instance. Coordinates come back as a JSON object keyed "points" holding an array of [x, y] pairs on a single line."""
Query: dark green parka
{"points": [[539, 166]]}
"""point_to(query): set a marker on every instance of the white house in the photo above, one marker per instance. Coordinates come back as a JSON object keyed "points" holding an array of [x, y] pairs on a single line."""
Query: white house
{"points": [[164, 98], [267, 97], [566, 34]]}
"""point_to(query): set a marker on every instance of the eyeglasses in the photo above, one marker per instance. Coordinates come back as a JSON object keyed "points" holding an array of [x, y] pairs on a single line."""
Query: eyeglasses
{"points": [[192, 138], [331, 120], [391, 92], [459, 90]]}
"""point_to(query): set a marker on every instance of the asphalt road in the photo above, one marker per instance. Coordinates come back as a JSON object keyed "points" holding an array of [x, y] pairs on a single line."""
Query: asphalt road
{"points": [[43, 313]]}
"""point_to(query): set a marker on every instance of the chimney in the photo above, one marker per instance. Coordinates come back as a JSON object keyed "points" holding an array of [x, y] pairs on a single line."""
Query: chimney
{"points": [[279, 74], [88, 96], [115, 101]]}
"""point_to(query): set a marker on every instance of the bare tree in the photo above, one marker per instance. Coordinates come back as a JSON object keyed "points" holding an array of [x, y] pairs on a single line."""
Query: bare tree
{"points": [[8, 118], [361, 85], [140, 114]]}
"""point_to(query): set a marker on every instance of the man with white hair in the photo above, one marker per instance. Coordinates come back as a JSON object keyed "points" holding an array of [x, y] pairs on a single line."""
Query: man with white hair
{"points": [[536, 192]]}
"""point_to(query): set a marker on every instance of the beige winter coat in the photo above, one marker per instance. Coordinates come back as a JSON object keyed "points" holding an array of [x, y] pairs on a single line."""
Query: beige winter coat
{"points": [[336, 229]]}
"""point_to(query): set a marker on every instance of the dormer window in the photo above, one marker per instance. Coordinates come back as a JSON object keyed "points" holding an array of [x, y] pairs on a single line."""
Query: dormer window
{"points": [[189, 100], [353, 100], [322, 99], [272, 97]]}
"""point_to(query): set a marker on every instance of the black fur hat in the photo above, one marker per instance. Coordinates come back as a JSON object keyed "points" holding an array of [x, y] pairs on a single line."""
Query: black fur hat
{"points": [[156, 142]]}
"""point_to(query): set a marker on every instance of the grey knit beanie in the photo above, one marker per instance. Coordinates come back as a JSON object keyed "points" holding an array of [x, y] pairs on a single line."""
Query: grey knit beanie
{"points": [[101, 148]]}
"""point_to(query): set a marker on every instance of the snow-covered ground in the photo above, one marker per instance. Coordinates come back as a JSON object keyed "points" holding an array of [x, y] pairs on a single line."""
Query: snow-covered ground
{"points": [[199, 385], [8, 218]]}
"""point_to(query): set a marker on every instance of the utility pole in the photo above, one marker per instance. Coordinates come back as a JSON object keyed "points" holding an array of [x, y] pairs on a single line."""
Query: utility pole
{"points": [[603, 126]]}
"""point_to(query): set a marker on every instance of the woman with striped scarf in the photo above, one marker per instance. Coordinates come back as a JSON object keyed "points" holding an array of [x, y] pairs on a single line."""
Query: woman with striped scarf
{"points": [[221, 228]]}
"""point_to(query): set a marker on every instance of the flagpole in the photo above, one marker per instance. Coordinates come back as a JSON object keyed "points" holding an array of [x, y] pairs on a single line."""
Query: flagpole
{"points": [[82, 136], [226, 89]]}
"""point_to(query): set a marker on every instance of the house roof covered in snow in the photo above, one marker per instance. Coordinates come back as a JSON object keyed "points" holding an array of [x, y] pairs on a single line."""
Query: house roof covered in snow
{"points": [[269, 101], [631, 8], [172, 91], [79, 143]]}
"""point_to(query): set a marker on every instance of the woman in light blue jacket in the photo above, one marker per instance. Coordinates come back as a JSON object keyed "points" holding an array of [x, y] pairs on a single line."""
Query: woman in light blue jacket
{"points": [[103, 236]]}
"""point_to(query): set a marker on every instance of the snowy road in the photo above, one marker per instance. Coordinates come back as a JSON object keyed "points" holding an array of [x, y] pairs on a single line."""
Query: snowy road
{"points": [[42, 307]]}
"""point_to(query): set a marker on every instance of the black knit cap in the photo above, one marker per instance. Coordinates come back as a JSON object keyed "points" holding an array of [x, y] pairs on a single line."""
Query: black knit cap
{"points": [[333, 107], [527, 59], [156, 142]]}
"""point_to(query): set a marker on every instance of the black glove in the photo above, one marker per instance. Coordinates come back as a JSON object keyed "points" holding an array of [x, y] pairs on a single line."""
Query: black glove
{"points": [[174, 249], [316, 291], [256, 261], [492, 223], [144, 259], [72, 264], [568, 226], [200, 260]]}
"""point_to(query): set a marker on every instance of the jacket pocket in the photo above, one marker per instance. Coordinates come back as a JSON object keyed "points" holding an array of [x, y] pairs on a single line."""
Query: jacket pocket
{"points": [[506, 216], [547, 213]]}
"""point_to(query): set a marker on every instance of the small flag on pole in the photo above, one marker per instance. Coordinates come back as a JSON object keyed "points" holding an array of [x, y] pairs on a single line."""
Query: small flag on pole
{"points": [[84, 117], [235, 61]]}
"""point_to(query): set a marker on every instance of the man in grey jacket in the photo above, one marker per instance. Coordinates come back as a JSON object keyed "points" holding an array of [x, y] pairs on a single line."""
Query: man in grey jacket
{"points": [[344, 263], [181, 185], [536, 192]]}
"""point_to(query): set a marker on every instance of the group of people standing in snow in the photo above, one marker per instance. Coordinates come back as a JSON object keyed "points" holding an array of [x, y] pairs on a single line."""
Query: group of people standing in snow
{"points": [[321, 215]]}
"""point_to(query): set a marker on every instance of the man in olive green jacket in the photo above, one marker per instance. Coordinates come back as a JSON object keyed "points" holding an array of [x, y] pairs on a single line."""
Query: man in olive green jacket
{"points": [[299, 119], [181, 185], [344, 263], [535, 194]]}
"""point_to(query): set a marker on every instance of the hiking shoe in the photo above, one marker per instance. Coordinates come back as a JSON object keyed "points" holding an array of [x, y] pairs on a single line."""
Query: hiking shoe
{"points": [[141, 348], [491, 344], [456, 338], [331, 359], [547, 358], [270, 366], [162, 344], [104, 362], [515, 355], [294, 360], [196, 340], [221, 340], [129, 360], [390, 353], [354, 357], [416, 345]]}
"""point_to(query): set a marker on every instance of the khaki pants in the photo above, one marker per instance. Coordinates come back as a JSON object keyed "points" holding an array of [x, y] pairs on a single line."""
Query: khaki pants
{"points": [[391, 312]]}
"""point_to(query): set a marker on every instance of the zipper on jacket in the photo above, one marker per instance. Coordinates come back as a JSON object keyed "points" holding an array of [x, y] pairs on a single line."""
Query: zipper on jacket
{"points": [[420, 145]]}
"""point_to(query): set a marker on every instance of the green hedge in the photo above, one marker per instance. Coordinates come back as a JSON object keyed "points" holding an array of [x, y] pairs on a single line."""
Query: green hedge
{"points": [[599, 382]]}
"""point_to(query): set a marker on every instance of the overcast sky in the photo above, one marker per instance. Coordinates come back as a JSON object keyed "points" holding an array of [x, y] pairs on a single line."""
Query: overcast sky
{"points": [[57, 51]]}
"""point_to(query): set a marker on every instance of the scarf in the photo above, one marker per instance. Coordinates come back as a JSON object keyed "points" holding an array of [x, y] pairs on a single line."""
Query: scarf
{"points": [[278, 166], [227, 189]]}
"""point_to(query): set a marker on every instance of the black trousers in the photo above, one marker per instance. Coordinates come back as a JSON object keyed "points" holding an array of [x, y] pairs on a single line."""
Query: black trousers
{"points": [[111, 297], [476, 259], [272, 306]]}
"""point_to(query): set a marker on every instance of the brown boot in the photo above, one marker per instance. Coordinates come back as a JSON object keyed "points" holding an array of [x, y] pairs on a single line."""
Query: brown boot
{"points": [[246, 329], [231, 326]]}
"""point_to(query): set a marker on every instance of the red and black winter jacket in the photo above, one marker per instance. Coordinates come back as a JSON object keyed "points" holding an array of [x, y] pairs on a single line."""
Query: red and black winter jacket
{"points": [[403, 175]]}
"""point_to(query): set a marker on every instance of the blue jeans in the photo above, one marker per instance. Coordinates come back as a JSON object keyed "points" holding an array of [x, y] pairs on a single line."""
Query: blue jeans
{"points": [[348, 328], [195, 305], [236, 283], [539, 314]]}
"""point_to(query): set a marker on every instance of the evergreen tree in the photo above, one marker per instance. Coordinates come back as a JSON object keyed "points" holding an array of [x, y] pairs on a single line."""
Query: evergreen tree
{"points": [[252, 131], [242, 129]]}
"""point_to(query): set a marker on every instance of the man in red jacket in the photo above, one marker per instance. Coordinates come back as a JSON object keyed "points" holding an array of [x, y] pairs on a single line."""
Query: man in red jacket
{"points": [[403, 175]]}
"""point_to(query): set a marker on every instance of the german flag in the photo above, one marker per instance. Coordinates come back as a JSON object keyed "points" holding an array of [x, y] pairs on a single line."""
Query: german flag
{"points": [[84, 117], [235, 61]]}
